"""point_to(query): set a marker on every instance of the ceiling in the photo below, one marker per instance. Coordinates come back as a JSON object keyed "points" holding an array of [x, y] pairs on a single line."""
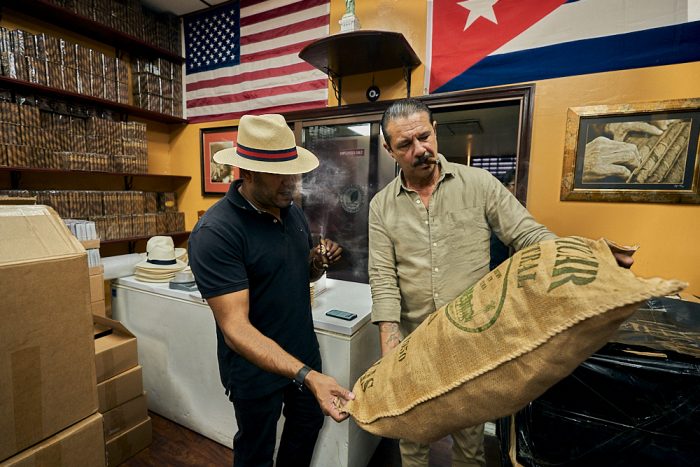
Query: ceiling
{"points": [[180, 7]]}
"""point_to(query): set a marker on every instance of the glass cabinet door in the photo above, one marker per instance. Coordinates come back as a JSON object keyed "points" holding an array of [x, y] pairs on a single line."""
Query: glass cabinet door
{"points": [[336, 195]]}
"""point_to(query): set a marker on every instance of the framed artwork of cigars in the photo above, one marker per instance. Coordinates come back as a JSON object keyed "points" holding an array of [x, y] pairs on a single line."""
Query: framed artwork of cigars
{"points": [[645, 152]]}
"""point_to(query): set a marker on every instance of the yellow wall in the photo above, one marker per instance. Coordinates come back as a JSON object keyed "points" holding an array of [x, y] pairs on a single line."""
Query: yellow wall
{"points": [[404, 16], [185, 160], [667, 233]]}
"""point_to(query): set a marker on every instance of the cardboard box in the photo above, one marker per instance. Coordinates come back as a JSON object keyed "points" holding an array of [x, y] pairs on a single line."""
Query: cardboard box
{"points": [[126, 444], [119, 389], [98, 308], [90, 244], [125, 416], [115, 351], [47, 361], [97, 291], [81, 444]]}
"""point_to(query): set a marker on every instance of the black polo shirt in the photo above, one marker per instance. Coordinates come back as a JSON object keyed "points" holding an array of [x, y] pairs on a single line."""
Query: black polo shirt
{"points": [[235, 247]]}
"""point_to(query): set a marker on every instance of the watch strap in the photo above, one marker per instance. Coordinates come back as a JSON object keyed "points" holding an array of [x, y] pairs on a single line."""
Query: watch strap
{"points": [[301, 376]]}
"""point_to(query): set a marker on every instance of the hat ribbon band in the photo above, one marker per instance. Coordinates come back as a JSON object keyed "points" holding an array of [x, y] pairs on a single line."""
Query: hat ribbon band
{"points": [[279, 155], [162, 262]]}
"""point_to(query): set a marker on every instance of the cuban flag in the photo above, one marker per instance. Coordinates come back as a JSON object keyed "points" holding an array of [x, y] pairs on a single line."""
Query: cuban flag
{"points": [[480, 43]]}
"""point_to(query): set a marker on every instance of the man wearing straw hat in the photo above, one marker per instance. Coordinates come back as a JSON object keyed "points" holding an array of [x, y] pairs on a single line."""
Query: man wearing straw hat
{"points": [[253, 257]]}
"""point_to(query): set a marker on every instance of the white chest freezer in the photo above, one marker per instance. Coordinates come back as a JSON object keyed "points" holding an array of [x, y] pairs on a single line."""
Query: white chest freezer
{"points": [[176, 338]]}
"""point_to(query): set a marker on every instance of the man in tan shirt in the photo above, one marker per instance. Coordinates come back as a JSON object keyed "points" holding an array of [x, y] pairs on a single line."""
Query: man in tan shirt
{"points": [[429, 233]]}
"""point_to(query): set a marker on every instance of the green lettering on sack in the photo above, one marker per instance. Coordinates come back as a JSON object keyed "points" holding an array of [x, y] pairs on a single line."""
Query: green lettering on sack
{"points": [[403, 348], [571, 255], [528, 261], [367, 379], [572, 244], [460, 311], [571, 260], [525, 277], [573, 278]]}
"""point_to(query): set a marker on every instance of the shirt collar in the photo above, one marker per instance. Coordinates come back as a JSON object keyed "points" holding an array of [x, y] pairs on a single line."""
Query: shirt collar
{"points": [[235, 198], [445, 170]]}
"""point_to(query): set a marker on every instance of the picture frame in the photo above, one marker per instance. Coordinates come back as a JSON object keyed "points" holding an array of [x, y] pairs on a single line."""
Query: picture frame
{"points": [[216, 178], [643, 152]]}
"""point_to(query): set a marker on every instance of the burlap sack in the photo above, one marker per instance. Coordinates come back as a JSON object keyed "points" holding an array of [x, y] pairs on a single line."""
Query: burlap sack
{"points": [[502, 342]]}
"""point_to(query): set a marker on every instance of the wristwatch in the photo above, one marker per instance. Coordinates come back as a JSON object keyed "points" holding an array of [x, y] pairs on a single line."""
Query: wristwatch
{"points": [[301, 376]]}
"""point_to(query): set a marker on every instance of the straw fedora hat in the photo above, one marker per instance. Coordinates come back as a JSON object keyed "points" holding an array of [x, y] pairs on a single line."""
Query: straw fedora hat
{"points": [[160, 254], [266, 144]]}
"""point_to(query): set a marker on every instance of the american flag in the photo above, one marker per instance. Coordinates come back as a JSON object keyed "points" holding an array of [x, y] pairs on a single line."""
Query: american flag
{"points": [[243, 57]]}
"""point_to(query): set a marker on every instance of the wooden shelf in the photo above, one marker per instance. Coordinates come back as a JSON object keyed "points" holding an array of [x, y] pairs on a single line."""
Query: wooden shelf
{"points": [[125, 109], [357, 52], [24, 178], [89, 28], [177, 236]]}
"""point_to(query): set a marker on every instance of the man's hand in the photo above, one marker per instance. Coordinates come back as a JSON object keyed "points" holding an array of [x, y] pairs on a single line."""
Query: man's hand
{"points": [[331, 396], [623, 254], [325, 253], [605, 158], [621, 129]]}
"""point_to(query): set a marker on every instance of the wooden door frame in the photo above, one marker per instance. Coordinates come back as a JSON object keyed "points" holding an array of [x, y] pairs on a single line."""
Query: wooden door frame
{"points": [[523, 94]]}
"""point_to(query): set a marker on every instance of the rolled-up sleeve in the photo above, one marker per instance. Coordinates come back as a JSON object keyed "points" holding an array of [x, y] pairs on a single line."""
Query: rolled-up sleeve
{"points": [[386, 297]]}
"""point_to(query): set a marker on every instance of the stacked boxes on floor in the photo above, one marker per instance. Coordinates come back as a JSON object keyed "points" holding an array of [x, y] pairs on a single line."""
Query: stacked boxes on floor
{"points": [[121, 400], [48, 399]]}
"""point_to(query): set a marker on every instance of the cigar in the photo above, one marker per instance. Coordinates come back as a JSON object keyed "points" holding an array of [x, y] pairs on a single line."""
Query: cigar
{"points": [[322, 248]]}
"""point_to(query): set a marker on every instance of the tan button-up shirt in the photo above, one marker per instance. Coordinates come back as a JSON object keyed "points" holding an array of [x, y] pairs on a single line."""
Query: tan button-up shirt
{"points": [[420, 259]]}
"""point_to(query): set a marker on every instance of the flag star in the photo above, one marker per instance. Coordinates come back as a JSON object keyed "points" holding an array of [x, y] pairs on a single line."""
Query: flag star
{"points": [[479, 9]]}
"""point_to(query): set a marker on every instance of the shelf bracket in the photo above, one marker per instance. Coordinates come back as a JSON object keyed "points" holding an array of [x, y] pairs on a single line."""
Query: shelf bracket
{"points": [[128, 182], [15, 179], [337, 83], [407, 78]]}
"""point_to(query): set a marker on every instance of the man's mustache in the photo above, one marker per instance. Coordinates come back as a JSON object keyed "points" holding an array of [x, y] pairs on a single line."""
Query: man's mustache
{"points": [[426, 158]]}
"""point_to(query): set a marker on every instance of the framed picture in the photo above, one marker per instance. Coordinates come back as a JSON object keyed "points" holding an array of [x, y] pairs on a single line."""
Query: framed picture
{"points": [[645, 152], [216, 178]]}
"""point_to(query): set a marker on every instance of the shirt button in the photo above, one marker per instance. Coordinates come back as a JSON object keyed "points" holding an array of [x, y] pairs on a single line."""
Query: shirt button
{"points": [[436, 269], [274, 220], [436, 295], [417, 201], [425, 222], [434, 243]]}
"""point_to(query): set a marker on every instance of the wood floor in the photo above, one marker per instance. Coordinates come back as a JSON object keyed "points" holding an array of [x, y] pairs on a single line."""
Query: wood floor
{"points": [[175, 446]]}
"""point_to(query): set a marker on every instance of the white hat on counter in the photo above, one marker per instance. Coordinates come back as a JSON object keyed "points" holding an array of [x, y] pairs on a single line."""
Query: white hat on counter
{"points": [[161, 256]]}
